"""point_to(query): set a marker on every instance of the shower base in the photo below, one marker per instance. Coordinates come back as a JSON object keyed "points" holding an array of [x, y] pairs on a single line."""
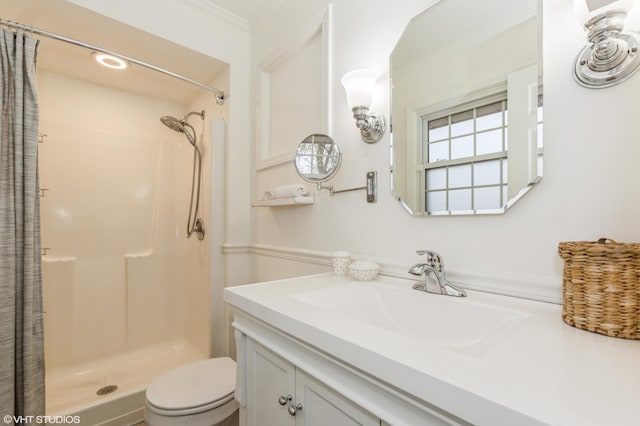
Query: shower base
{"points": [[110, 391]]}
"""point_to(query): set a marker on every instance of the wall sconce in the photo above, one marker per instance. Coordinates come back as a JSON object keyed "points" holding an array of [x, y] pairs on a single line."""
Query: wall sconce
{"points": [[611, 57], [359, 86]]}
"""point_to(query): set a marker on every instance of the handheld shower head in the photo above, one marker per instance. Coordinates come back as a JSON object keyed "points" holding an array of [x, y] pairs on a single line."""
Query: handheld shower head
{"points": [[179, 125], [173, 123]]}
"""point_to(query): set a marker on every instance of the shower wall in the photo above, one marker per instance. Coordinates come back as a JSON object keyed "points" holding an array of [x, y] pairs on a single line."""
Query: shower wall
{"points": [[119, 274]]}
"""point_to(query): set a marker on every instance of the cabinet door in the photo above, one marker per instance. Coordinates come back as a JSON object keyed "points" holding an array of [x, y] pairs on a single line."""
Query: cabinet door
{"points": [[322, 406], [269, 378]]}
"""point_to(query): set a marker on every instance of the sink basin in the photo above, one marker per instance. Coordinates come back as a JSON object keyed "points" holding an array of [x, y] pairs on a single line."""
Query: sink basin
{"points": [[453, 322]]}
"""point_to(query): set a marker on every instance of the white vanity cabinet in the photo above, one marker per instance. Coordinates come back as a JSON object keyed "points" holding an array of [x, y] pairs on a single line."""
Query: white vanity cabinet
{"points": [[279, 393], [270, 387], [282, 381]]}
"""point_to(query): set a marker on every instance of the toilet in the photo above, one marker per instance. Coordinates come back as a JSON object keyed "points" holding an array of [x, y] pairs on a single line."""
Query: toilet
{"points": [[196, 394]]}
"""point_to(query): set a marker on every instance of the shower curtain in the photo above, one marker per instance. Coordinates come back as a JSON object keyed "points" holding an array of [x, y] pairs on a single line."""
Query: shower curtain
{"points": [[21, 318]]}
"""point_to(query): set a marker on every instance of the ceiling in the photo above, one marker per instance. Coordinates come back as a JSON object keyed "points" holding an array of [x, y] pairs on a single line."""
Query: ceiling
{"points": [[69, 20]]}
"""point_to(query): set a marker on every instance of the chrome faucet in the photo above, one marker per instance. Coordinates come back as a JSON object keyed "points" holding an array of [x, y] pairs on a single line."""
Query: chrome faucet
{"points": [[434, 265]]}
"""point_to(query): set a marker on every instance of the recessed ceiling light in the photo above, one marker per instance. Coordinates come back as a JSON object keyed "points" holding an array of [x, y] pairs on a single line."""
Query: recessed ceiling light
{"points": [[110, 61]]}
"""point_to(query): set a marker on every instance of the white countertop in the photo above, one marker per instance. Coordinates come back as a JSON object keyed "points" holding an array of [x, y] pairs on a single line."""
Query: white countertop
{"points": [[537, 370]]}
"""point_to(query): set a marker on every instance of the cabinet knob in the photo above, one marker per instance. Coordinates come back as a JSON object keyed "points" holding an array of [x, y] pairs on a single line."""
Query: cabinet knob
{"points": [[284, 399], [293, 410]]}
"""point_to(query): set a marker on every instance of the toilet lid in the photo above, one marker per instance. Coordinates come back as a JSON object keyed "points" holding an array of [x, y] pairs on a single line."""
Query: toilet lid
{"points": [[194, 385]]}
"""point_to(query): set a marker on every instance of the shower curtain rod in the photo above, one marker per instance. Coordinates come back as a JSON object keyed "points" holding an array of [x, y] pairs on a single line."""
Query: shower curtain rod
{"points": [[14, 25]]}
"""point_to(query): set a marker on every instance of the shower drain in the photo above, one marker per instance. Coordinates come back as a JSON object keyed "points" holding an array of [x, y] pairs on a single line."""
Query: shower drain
{"points": [[106, 390]]}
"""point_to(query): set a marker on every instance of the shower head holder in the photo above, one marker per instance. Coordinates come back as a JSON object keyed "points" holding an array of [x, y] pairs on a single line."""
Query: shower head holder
{"points": [[189, 114]]}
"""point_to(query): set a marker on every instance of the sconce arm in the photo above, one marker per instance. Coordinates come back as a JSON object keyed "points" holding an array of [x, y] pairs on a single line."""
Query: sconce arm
{"points": [[371, 125]]}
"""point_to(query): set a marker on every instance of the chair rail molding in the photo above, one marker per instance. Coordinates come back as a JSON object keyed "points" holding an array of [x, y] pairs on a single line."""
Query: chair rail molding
{"points": [[543, 288]]}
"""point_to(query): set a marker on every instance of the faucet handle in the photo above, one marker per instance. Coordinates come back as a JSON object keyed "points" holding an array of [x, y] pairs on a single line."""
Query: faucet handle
{"points": [[433, 259]]}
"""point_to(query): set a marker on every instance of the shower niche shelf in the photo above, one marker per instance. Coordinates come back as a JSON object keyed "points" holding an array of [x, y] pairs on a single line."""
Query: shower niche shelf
{"points": [[283, 202]]}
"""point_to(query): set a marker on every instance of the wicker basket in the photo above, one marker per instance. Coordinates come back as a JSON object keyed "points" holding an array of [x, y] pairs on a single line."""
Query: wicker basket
{"points": [[601, 287]]}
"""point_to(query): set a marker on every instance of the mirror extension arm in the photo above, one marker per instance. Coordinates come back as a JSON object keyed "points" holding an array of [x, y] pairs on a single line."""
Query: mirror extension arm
{"points": [[371, 187]]}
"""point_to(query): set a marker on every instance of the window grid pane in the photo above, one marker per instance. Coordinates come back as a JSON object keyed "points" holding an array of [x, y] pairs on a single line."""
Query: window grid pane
{"points": [[466, 187], [475, 184], [452, 136]]}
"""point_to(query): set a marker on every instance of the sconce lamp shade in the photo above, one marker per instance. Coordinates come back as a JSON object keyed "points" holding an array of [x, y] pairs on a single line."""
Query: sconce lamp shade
{"points": [[359, 86], [588, 9]]}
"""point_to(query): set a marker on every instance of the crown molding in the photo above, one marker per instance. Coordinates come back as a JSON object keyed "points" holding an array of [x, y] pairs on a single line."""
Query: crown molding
{"points": [[219, 13]]}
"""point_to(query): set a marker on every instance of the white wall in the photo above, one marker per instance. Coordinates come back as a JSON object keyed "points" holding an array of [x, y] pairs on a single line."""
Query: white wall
{"points": [[590, 188]]}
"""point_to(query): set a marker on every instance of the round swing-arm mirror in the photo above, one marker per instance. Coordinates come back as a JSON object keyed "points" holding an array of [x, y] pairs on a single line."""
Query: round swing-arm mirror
{"points": [[317, 158]]}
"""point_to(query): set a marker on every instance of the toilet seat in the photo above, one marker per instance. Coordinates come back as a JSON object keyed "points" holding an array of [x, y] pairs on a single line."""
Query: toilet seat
{"points": [[193, 388]]}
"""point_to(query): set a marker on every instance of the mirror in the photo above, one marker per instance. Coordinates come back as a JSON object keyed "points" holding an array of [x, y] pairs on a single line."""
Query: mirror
{"points": [[466, 108], [317, 158]]}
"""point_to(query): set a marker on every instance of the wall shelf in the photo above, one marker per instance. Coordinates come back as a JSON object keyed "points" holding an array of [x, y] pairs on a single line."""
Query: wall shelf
{"points": [[282, 202]]}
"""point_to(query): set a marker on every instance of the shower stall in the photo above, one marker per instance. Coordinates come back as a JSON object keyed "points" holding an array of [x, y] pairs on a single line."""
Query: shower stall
{"points": [[127, 296]]}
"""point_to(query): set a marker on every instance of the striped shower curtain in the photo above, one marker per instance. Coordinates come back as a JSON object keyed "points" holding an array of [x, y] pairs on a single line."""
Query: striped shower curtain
{"points": [[21, 319]]}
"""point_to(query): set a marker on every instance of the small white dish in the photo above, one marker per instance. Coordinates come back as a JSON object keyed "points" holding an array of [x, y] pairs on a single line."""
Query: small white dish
{"points": [[363, 270]]}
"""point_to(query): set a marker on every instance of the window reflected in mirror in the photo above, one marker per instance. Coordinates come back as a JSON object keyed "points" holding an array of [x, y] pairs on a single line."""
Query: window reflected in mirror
{"points": [[317, 158], [466, 162]]}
